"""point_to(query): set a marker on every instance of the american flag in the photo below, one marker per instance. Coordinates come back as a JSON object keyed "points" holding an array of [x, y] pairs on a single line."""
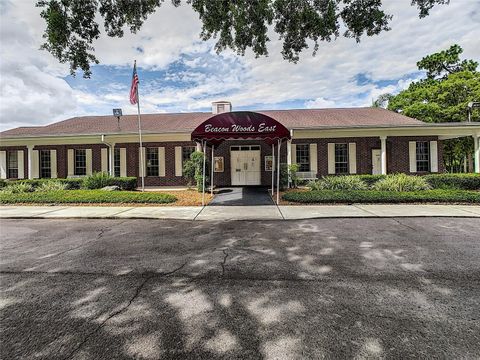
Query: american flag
{"points": [[134, 87]]}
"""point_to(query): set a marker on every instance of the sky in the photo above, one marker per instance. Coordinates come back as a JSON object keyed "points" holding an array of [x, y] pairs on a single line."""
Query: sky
{"points": [[180, 73]]}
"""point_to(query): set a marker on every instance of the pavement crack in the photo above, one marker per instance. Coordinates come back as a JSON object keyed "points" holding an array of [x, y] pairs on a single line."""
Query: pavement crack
{"points": [[225, 253], [138, 290]]}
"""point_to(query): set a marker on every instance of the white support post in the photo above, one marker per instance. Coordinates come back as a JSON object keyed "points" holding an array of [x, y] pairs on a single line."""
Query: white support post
{"points": [[476, 142], [204, 146], [30, 163], [289, 159], [383, 157], [278, 171], [213, 163], [111, 158], [273, 169]]}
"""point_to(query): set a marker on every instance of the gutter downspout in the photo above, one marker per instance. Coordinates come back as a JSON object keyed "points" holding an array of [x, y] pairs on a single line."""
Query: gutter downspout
{"points": [[110, 155]]}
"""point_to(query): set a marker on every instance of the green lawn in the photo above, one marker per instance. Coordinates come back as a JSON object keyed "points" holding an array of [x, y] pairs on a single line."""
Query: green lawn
{"points": [[86, 197], [370, 196]]}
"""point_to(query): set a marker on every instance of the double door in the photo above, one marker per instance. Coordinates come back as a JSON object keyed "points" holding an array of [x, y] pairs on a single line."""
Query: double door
{"points": [[245, 165]]}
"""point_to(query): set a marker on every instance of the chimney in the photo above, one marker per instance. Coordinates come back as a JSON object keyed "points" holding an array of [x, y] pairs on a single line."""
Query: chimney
{"points": [[219, 107]]}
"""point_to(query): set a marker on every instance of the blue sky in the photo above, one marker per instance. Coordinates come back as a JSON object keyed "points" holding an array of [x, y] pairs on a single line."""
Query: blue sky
{"points": [[180, 73]]}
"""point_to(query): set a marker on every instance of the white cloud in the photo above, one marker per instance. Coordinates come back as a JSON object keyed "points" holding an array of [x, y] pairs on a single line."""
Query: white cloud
{"points": [[319, 102]]}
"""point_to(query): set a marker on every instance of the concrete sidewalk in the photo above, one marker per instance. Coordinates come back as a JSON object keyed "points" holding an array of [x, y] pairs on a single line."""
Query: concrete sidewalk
{"points": [[239, 212]]}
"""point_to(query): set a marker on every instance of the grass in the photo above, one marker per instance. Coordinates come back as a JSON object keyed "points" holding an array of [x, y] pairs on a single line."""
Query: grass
{"points": [[87, 197], [384, 197]]}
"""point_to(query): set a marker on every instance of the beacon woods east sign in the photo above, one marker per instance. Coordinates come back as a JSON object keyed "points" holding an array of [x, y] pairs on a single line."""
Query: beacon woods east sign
{"points": [[234, 128]]}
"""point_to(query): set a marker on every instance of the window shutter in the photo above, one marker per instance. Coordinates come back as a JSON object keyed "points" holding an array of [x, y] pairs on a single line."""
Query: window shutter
{"points": [[178, 161], [88, 153], [3, 164], [352, 158], [141, 155], [35, 163], [433, 156], [53, 163], [313, 159], [21, 164], [161, 161], [104, 159], [71, 162], [294, 154], [412, 155], [331, 158], [123, 162]]}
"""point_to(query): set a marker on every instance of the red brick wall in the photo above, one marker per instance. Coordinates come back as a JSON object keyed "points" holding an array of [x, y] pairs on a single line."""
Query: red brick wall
{"points": [[397, 157]]}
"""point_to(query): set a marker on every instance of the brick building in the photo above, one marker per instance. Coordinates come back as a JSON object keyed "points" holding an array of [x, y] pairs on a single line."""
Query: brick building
{"points": [[320, 141]]}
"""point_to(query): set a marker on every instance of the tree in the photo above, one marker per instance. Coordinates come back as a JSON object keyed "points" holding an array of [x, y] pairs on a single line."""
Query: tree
{"points": [[382, 101], [443, 96], [71, 25]]}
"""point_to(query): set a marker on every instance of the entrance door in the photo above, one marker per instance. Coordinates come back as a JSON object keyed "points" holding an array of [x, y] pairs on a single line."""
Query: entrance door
{"points": [[376, 161], [245, 165]]}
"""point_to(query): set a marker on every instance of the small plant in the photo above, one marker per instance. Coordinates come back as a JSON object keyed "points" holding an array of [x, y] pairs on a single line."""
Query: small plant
{"points": [[401, 182], [17, 188], [292, 171], [51, 185], [338, 183], [97, 180]]}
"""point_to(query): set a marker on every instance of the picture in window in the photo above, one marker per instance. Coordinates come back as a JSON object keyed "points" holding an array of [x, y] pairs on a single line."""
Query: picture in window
{"points": [[269, 164], [218, 164]]}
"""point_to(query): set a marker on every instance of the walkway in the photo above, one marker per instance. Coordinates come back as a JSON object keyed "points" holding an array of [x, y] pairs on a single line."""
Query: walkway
{"points": [[220, 213], [241, 196]]}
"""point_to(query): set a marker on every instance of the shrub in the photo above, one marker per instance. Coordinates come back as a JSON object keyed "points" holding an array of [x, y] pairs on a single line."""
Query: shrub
{"points": [[2, 183], [370, 179], [294, 179], [124, 183], [51, 185], [17, 188], [454, 181], [86, 197], [97, 180], [401, 182], [74, 183], [338, 183], [370, 196]]}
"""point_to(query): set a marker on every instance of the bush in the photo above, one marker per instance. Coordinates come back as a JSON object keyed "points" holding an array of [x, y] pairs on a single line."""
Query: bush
{"points": [[3, 183], [454, 181], [17, 188], [51, 185], [338, 183], [86, 197], [71, 184], [97, 180], [124, 183], [369, 196], [370, 179], [401, 182]]}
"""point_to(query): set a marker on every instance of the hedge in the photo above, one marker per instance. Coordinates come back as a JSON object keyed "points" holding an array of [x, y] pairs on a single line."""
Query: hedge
{"points": [[370, 196], [454, 181], [124, 183], [86, 197]]}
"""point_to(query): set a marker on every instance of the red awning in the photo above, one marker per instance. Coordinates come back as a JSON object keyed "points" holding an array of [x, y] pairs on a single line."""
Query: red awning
{"points": [[243, 125]]}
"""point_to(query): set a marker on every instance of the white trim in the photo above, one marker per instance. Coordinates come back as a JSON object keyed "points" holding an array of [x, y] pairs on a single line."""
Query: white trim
{"points": [[35, 163], [178, 161], [104, 159], [294, 154], [412, 156], [352, 158], [70, 162], [313, 159], [53, 164], [433, 156], [21, 164], [161, 161], [123, 162], [141, 155], [331, 158], [89, 161], [3, 164]]}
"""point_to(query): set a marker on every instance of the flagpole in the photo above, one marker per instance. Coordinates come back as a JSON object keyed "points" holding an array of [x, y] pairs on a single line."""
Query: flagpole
{"points": [[142, 161]]}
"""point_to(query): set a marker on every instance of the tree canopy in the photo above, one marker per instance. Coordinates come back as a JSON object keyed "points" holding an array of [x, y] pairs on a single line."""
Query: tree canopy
{"points": [[72, 27]]}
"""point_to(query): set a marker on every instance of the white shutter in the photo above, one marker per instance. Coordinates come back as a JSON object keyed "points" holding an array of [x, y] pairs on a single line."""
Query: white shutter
{"points": [[178, 161], [70, 162], [331, 158], [3, 164], [294, 154], [412, 156], [313, 159], [161, 161], [141, 155], [123, 162], [88, 153], [35, 163], [352, 158], [433, 156], [104, 160], [21, 164], [53, 164]]}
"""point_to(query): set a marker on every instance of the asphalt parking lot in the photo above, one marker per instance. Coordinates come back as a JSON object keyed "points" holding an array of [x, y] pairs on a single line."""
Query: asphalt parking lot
{"points": [[310, 289]]}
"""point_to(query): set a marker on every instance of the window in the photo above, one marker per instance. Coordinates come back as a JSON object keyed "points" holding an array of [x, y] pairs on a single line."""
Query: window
{"points": [[116, 162], [341, 158], [186, 152], [45, 164], [303, 157], [12, 165], [151, 155], [80, 162], [423, 156], [220, 108]]}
